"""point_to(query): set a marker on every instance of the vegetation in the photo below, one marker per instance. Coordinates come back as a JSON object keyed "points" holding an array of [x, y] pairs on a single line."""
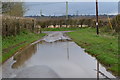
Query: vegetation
{"points": [[13, 8], [111, 24], [61, 22], [60, 29], [11, 44], [116, 23], [14, 25], [104, 47], [18, 33], [13, 21]]}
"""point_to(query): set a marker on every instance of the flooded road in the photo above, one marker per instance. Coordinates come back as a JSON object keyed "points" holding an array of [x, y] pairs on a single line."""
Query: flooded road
{"points": [[55, 56]]}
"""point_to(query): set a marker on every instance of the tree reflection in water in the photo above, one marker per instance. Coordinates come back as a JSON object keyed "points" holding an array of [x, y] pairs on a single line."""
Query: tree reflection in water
{"points": [[24, 55]]}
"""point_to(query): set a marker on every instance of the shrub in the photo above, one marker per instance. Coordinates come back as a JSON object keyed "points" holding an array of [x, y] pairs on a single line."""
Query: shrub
{"points": [[14, 25], [116, 23]]}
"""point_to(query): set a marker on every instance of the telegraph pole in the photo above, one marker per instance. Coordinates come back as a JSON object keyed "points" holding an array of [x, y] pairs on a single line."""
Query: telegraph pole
{"points": [[97, 25], [41, 12], [77, 13], [66, 12]]}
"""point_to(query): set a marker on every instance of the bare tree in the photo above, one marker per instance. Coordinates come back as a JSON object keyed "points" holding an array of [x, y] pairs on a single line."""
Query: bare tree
{"points": [[13, 8]]}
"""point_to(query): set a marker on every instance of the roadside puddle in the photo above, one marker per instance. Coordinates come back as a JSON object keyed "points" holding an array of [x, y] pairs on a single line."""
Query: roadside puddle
{"points": [[58, 59]]}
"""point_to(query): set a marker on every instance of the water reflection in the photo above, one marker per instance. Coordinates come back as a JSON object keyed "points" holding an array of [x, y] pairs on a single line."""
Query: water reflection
{"points": [[24, 55], [97, 70], [101, 73], [66, 59], [68, 50], [58, 56]]}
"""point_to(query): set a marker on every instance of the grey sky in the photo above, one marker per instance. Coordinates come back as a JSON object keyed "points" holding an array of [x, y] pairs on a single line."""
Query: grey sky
{"points": [[59, 0], [71, 0], [59, 8]]}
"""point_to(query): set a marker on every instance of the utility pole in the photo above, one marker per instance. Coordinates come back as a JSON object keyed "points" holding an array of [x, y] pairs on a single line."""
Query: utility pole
{"points": [[77, 13], [97, 25], [41, 12], [97, 34], [66, 12]]}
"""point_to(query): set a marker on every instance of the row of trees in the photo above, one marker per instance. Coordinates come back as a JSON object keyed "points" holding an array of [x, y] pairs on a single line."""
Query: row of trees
{"points": [[91, 22], [18, 9], [72, 22]]}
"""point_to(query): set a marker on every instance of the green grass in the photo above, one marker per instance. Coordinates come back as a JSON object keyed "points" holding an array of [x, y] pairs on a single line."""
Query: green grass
{"points": [[26, 36], [60, 29], [104, 46]]}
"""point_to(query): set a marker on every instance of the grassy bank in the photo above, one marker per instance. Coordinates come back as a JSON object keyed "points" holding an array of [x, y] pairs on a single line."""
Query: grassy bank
{"points": [[60, 29], [104, 47], [13, 43]]}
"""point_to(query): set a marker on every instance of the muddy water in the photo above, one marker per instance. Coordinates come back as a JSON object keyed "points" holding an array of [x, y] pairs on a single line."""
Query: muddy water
{"points": [[49, 59]]}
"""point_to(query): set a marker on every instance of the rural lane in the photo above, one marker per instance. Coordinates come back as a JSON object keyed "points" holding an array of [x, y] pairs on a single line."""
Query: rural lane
{"points": [[54, 56]]}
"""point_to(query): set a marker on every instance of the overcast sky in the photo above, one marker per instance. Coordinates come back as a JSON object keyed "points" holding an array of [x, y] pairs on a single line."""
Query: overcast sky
{"points": [[70, 0], [81, 8], [61, 0]]}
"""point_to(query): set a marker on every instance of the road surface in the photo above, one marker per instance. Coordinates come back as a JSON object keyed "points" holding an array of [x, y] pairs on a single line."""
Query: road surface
{"points": [[54, 56]]}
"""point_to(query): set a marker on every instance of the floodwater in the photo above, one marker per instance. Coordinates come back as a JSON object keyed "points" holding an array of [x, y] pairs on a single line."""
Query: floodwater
{"points": [[55, 56]]}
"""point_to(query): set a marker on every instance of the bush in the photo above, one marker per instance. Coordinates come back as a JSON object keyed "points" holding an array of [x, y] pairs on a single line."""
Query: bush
{"points": [[14, 25], [116, 23]]}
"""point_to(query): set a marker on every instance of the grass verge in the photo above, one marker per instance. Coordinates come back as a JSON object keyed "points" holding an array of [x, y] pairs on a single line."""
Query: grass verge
{"points": [[104, 47], [13, 43], [60, 29]]}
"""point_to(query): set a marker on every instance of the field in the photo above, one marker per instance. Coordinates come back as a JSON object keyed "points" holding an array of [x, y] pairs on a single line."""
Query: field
{"points": [[104, 46], [60, 29], [14, 43]]}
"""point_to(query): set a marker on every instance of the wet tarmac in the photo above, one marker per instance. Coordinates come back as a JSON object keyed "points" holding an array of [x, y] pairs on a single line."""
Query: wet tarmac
{"points": [[55, 56]]}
